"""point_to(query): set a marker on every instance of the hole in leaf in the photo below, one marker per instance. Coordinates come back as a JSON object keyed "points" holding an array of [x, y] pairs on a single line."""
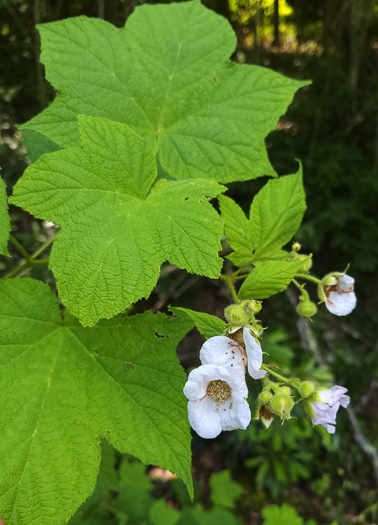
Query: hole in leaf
{"points": [[160, 336]]}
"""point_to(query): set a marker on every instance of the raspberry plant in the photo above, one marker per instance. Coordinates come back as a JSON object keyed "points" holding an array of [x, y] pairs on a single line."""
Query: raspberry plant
{"points": [[149, 123]]}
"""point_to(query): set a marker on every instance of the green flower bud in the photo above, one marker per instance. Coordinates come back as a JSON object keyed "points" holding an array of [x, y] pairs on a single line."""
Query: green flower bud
{"points": [[265, 397], [328, 280], [296, 247], [306, 308], [285, 390], [255, 306], [281, 405], [306, 388], [236, 315], [307, 265]]}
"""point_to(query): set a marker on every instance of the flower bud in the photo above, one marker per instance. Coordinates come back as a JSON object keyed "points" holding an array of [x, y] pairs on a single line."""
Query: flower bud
{"points": [[296, 247], [282, 405], [255, 306], [306, 308], [328, 280], [307, 263], [236, 315], [306, 388], [285, 390], [265, 397]]}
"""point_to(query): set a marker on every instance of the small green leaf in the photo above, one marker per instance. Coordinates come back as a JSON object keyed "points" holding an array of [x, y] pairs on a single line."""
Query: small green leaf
{"points": [[208, 325], [224, 491], [4, 219], [238, 231], [161, 514], [276, 213], [115, 234], [167, 75], [268, 278], [284, 515], [64, 388]]}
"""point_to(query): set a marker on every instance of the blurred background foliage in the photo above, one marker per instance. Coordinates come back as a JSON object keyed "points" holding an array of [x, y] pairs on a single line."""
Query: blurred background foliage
{"points": [[292, 473]]}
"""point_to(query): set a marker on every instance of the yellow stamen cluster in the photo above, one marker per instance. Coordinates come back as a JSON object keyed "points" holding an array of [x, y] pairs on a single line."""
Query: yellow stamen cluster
{"points": [[218, 390]]}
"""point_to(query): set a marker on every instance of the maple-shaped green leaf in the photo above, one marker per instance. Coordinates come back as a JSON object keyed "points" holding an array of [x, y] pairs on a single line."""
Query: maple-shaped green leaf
{"points": [[224, 490], [64, 388], [284, 514], [4, 219], [116, 233], [275, 216], [207, 325], [269, 278], [167, 75]]}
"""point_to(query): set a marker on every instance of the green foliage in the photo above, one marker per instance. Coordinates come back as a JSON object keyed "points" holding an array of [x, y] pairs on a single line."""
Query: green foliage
{"points": [[268, 278], [167, 76], [284, 514], [37, 144], [278, 455], [4, 220], [65, 387], [275, 215], [224, 491], [213, 516], [101, 267], [208, 325]]}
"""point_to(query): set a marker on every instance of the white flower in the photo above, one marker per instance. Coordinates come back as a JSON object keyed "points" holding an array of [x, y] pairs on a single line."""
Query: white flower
{"points": [[224, 351], [325, 413], [217, 400], [340, 298]]}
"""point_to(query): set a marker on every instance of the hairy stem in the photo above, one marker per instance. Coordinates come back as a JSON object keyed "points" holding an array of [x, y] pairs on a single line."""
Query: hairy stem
{"points": [[229, 280], [19, 248], [308, 278]]}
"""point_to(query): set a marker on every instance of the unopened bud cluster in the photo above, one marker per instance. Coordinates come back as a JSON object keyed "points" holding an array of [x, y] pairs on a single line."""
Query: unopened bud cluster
{"points": [[242, 315]]}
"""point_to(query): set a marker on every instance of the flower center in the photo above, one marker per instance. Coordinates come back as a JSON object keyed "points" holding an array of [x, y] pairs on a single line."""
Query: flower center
{"points": [[219, 391]]}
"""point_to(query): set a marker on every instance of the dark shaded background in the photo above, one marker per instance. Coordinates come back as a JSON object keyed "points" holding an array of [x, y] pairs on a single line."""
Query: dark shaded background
{"points": [[332, 128]]}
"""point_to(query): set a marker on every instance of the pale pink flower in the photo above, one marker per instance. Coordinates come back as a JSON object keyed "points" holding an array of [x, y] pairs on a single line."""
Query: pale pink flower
{"points": [[325, 413]]}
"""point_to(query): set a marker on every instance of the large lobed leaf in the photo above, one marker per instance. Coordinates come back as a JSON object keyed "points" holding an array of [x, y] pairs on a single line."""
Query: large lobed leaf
{"points": [[167, 76], [4, 220], [116, 232], [65, 387]]}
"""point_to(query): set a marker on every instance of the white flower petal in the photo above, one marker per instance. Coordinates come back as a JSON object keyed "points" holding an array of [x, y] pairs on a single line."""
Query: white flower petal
{"points": [[345, 283], [222, 351], [204, 418], [254, 355], [341, 300], [341, 303], [235, 413]]}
